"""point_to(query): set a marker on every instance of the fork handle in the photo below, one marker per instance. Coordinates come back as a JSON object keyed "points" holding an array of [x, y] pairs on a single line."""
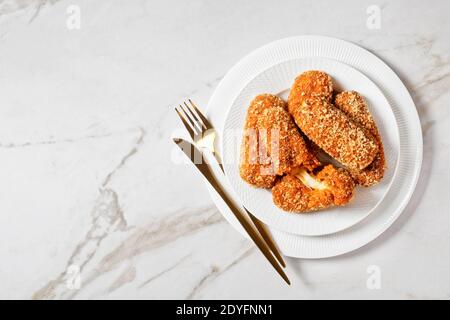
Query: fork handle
{"points": [[206, 171], [219, 161], [257, 239], [267, 237], [258, 224]]}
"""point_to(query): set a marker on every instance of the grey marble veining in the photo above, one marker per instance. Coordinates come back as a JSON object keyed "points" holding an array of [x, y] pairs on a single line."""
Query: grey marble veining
{"points": [[92, 205]]}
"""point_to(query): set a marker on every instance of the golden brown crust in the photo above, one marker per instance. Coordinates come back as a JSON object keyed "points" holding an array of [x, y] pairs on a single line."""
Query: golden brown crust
{"points": [[272, 144], [354, 105], [291, 194], [335, 133], [274, 153], [327, 126], [310, 84], [339, 182]]}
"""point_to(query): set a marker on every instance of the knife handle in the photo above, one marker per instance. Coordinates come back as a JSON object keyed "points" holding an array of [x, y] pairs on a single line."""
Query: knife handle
{"points": [[205, 170]]}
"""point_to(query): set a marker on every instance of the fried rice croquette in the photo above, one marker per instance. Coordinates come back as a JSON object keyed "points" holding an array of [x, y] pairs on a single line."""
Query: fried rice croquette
{"points": [[310, 84], [304, 192], [327, 126], [272, 145], [355, 107]]}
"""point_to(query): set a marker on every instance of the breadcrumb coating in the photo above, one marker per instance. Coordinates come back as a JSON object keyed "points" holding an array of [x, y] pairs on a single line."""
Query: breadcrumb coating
{"points": [[310, 84], [327, 126], [354, 105], [332, 131], [276, 154], [272, 145], [332, 187]]}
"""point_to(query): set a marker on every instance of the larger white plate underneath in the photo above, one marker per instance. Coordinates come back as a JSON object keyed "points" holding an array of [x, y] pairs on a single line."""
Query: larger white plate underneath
{"points": [[277, 80], [410, 155]]}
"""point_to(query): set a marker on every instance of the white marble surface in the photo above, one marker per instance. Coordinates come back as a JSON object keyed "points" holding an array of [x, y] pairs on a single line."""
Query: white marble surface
{"points": [[86, 177]]}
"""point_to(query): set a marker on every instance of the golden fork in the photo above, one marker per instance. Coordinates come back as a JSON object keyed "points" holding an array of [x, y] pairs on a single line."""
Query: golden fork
{"points": [[204, 135], [200, 162]]}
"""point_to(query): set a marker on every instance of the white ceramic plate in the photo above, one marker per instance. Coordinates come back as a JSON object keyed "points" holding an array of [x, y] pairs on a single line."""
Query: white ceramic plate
{"points": [[410, 155], [277, 80]]}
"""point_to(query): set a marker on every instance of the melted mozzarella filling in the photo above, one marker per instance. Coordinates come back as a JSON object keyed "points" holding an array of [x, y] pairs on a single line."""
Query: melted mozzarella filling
{"points": [[309, 181]]}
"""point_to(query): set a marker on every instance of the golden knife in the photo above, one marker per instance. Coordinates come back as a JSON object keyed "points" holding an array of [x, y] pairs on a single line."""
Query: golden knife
{"points": [[204, 135], [197, 158]]}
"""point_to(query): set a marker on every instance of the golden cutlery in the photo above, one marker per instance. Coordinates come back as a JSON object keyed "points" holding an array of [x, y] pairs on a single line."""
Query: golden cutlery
{"points": [[204, 135], [198, 159]]}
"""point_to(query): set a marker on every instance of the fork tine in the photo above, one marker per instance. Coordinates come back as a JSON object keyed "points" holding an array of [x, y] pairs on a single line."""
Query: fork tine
{"points": [[204, 119], [197, 119], [188, 127], [192, 119]]}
